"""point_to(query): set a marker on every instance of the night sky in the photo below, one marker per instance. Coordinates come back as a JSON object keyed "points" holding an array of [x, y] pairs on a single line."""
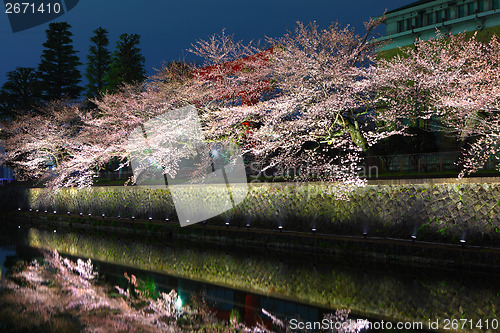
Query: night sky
{"points": [[168, 27]]}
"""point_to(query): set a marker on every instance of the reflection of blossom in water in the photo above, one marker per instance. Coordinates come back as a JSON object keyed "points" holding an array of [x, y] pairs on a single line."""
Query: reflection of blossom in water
{"points": [[55, 294], [340, 322]]}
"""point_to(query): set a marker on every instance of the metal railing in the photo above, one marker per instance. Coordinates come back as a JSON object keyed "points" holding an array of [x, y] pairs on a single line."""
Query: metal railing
{"points": [[424, 162], [6, 175]]}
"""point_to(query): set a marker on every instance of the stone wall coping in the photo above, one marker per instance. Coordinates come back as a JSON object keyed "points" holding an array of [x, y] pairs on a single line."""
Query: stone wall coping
{"points": [[423, 181], [399, 181]]}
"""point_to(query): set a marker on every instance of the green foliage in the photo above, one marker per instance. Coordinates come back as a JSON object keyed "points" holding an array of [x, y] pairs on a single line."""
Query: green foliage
{"points": [[127, 63], [147, 288], [235, 316], [98, 61], [389, 54], [59, 74]]}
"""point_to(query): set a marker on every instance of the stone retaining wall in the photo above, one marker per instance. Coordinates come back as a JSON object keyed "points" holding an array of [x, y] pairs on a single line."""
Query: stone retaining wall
{"points": [[437, 212]]}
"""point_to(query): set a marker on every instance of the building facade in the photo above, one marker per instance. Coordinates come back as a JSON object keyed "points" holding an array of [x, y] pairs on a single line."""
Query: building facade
{"points": [[422, 18]]}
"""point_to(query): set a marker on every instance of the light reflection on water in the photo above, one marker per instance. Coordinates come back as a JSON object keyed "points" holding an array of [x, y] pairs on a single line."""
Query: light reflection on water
{"points": [[378, 289], [370, 289]]}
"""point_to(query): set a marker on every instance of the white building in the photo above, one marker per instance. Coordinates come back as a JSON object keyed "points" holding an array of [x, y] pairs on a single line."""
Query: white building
{"points": [[421, 19]]}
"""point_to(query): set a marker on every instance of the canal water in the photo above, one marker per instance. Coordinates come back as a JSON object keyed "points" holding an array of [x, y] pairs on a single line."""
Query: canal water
{"points": [[300, 287]]}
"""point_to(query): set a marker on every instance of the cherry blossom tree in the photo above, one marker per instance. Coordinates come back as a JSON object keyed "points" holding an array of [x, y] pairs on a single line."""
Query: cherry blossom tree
{"points": [[38, 145], [304, 104], [453, 77], [233, 73], [66, 145], [314, 117], [314, 102]]}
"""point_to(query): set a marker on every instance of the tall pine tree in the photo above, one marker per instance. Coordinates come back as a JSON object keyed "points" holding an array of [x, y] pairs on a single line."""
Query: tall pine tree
{"points": [[58, 68], [99, 59], [127, 64]]}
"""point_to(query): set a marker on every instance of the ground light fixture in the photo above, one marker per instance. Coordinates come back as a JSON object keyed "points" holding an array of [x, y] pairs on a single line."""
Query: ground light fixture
{"points": [[19, 209], [166, 220], [150, 218], [103, 215], [55, 212], [280, 228], [68, 212], [365, 234], [227, 224], [462, 242], [313, 230], [413, 237], [248, 225]]}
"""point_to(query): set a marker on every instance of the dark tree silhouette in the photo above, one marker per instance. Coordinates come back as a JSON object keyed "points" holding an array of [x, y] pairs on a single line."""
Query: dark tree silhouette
{"points": [[20, 93], [127, 63], [59, 64], [98, 62]]}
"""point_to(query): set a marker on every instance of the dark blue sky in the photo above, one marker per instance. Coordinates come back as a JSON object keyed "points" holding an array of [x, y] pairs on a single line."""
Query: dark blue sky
{"points": [[168, 27]]}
